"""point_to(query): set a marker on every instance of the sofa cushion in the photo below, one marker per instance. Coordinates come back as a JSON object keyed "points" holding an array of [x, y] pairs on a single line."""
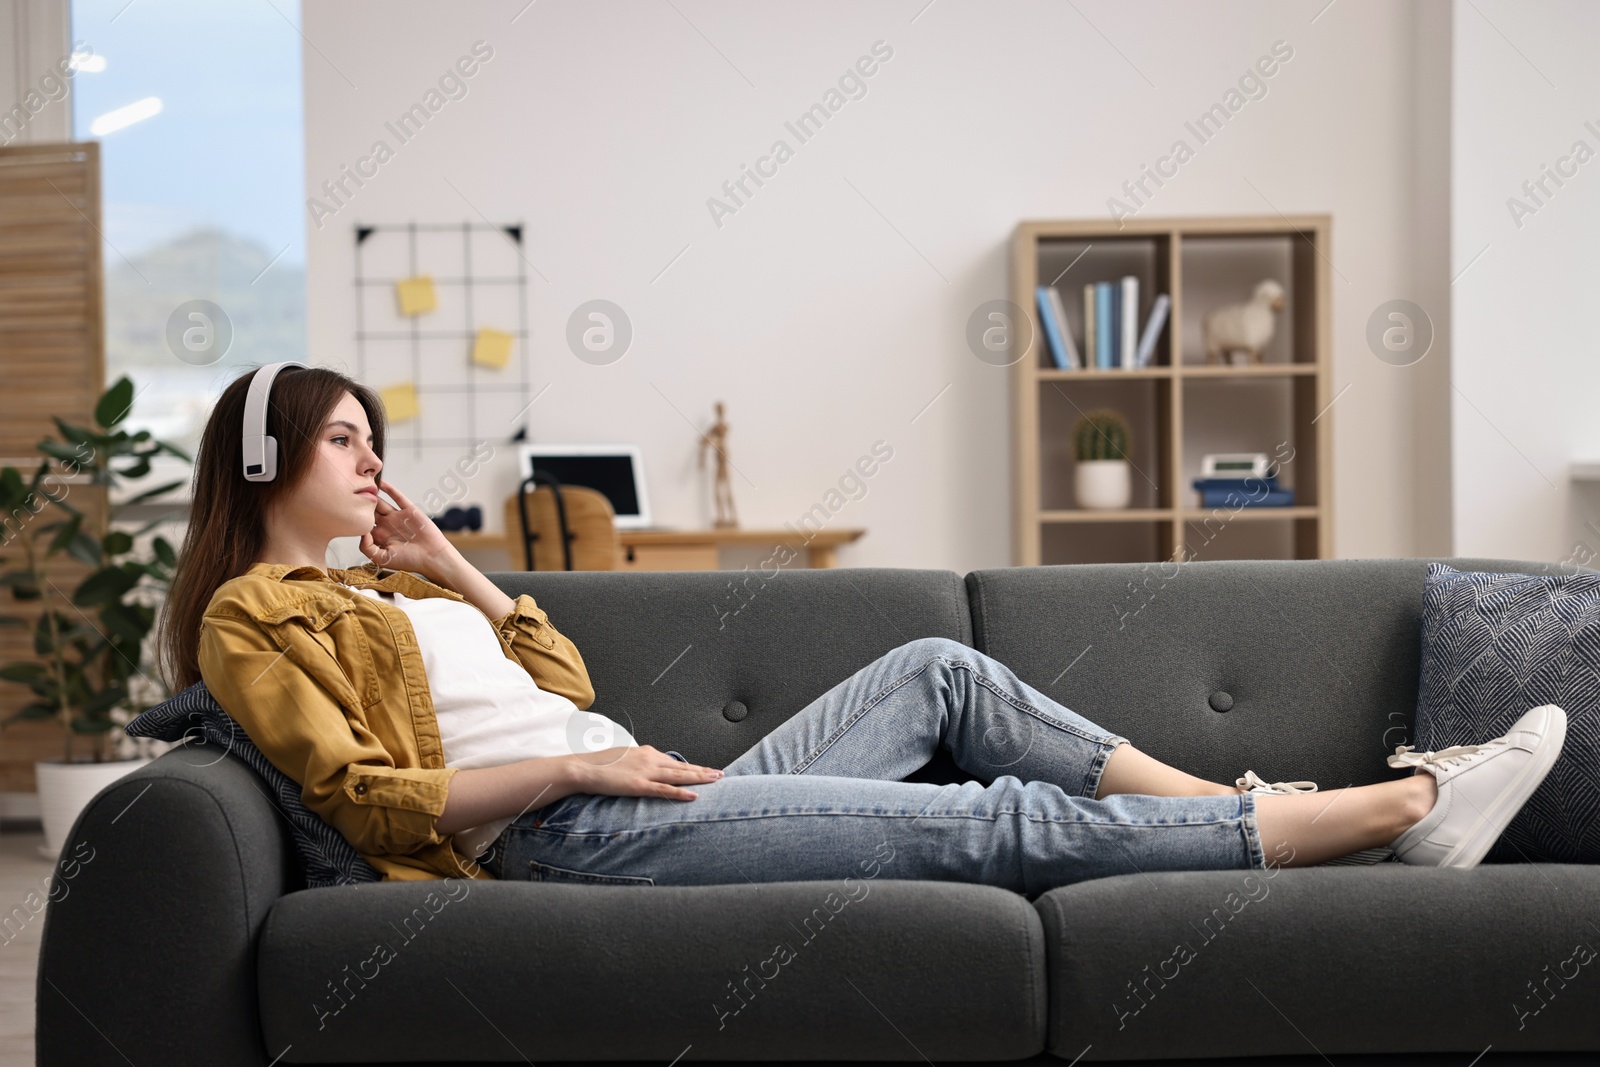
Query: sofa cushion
{"points": [[709, 662], [459, 971], [1495, 645], [1296, 669], [1331, 960], [326, 857]]}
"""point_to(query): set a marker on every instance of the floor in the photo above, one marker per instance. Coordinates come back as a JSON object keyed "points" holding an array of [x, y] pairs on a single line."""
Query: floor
{"points": [[22, 870]]}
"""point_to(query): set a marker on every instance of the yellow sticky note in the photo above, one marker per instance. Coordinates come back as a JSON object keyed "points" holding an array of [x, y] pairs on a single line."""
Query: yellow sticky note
{"points": [[399, 401], [416, 294], [491, 348]]}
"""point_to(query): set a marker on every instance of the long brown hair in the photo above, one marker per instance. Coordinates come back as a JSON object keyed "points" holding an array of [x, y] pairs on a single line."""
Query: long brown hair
{"points": [[227, 517]]}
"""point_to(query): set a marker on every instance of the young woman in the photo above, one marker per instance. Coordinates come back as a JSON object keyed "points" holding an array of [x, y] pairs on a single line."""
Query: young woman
{"points": [[439, 724]]}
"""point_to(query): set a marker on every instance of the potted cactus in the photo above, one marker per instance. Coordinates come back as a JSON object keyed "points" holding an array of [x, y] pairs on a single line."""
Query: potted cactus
{"points": [[1102, 477]]}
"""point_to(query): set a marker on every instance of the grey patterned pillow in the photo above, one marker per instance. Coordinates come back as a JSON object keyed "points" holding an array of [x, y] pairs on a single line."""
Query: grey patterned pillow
{"points": [[1495, 645], [326, 857]]}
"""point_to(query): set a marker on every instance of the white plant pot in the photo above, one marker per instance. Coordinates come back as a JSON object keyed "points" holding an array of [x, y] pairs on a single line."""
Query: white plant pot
{"points": [[65, 789], [1103, 484]]}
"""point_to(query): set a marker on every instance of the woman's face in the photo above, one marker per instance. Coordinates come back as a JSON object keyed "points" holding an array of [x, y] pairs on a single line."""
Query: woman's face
{"points": [[339, 495]]}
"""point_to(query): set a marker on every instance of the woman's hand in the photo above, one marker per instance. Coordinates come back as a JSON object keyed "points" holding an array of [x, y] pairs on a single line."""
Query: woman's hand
{"points": [[638, 771], [402, 537]]}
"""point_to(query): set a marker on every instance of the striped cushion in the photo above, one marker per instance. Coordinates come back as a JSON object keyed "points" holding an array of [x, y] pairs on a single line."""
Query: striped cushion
{"points": [[326, 858], [1495, 645]]}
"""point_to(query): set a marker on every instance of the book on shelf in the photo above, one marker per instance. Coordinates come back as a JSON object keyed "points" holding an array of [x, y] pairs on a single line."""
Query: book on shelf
{"points": [[1114, 359], [1243, 492], [1091, 328], [1049, 327], [1128, 322], [1058, 335], [1237, 481], [1237, 498], [1105, 318], [1152, 329], [1060, 309]]}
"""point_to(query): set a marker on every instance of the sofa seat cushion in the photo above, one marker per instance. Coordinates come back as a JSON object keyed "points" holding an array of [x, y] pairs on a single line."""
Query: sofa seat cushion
{"points": [[1333, 961], [1495, 645], [456, 971]]}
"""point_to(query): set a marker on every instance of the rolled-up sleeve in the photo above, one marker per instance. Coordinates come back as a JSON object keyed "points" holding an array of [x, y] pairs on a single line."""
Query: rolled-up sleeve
{"points": [[545, 652], [291, 701]]}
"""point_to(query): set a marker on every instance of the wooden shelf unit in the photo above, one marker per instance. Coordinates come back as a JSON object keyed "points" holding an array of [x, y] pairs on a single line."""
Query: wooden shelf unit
{"points": [[1178, 408]]}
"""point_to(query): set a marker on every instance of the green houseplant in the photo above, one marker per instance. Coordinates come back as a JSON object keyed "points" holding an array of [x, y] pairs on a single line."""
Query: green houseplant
{"points": [[1102, 476], [88, 643]]}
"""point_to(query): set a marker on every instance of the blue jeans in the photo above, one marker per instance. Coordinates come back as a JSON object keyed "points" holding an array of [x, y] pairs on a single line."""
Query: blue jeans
{"points": [[821, 797]]}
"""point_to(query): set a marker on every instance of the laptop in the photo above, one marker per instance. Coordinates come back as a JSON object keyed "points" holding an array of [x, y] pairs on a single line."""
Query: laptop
{"points": [[617, 471]]}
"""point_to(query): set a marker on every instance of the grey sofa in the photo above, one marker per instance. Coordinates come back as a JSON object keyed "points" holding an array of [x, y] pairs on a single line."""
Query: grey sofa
{"points": [[188, 941]]}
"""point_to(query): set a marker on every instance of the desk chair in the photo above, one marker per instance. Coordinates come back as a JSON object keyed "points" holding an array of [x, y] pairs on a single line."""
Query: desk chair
{"points": [[568, 527]]}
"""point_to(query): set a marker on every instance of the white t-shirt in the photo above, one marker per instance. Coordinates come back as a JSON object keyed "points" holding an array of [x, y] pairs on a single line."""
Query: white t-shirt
{"points": [[490, 710]]}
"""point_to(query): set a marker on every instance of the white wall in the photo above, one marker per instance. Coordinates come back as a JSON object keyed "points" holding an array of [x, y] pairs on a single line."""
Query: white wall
{"points": [[830, 310], [1526, 376], [1429, 267]]}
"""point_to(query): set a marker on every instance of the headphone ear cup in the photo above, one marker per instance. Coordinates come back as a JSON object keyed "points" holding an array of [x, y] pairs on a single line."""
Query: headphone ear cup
{"points": [[267, 469], [255, 424], [271, 451]]}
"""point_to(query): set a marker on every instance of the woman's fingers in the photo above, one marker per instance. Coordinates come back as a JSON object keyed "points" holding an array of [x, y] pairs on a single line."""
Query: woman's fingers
{"points": [[680, 773], [694, 771], [648, 772], [688, 776], [399, 497]]}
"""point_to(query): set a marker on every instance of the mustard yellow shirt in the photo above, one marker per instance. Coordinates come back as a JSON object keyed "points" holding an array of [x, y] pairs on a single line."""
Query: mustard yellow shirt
{"points": [[330, 686]]}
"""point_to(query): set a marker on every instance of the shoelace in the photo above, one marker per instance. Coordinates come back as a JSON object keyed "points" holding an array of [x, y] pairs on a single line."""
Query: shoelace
{"points": [[1254, 783], [1408, 756]]}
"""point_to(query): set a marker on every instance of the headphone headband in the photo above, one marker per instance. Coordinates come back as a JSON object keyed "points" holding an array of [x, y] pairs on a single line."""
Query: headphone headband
{"points": [[260, 450]]}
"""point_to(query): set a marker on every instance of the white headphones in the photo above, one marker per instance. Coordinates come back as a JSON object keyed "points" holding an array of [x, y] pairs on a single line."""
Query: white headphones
{"points": [[261, 451]]}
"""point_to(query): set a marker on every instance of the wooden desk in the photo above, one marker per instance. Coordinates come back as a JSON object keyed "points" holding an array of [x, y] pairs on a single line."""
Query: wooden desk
{"points": [[682, 550]]}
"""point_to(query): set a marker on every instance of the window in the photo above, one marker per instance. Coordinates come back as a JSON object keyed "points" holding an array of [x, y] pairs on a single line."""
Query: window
{"points": [[197, 107]]}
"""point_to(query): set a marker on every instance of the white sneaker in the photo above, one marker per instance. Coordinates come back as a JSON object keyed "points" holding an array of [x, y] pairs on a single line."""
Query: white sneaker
{"points": [[1481, 789], [1254, 783], [1365, 858]]}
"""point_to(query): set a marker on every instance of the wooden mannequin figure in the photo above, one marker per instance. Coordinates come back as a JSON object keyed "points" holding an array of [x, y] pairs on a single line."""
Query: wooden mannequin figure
{"points": [[717, 438]]}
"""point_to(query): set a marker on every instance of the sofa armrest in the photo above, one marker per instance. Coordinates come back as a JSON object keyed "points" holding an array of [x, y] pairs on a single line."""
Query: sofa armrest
{"points": [[148, 950]]}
